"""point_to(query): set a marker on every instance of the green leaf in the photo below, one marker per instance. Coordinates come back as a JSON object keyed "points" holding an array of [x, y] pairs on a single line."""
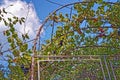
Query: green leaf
{"points": [[12, 30], [0, 11], [7, 32], [11, 25], [14, 35], [23, 19], [26, 36], [10, 39], [29, 51], [66, 27], [0, 19], [19, 42], [4, 11], [12, 45], [23, 47], [6, 24], [23, 36], [60, 15], [15, 21], [16, 53], [20, 21], [9, 19], [66, 15], [71, 33], [14, 17], [100, 1], [66, 19]]}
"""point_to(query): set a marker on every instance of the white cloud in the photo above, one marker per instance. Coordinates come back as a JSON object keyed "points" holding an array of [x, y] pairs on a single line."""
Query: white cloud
{"points": [[22, 9]]}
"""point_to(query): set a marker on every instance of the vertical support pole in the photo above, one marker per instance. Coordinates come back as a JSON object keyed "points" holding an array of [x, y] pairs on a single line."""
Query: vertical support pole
{"points": [[102, 69], [38, 70], [52, 31], [107, 67], [32, 69], [70, 13], [112, 70]]}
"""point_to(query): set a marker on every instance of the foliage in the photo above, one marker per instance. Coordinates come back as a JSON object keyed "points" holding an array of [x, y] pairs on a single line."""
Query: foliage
{"points": [[92, 29], [17, 46], [78, 70]]}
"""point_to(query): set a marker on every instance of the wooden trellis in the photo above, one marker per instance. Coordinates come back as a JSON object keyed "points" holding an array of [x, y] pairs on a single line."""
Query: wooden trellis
{"points": [[101, 58], [53, 58]]}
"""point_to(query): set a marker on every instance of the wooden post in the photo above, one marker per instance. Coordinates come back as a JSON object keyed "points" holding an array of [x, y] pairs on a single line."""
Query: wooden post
{"points": [[32, 69]]}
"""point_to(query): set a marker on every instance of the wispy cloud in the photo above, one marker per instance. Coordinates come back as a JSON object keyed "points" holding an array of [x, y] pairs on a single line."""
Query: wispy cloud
{"points": [[22, 9]]}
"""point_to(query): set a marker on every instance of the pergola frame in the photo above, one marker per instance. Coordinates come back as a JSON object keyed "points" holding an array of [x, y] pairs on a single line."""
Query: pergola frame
{"points": [[41, 27], [64, 58]]}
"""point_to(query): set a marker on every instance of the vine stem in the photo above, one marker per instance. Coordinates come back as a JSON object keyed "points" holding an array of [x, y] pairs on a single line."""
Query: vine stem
{"points": [[40, 29]]}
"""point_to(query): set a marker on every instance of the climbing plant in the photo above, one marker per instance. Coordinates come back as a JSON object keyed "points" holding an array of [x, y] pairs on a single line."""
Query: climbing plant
{"points": [[89, 28], [17, 46]]}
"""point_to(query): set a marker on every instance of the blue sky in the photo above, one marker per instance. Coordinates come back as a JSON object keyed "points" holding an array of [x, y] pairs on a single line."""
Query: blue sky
{"points": [[43, 7]]}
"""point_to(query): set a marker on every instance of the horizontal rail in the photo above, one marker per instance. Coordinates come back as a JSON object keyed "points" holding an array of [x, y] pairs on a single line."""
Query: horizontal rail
{"points": [[68, 60], [76, 56]]}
